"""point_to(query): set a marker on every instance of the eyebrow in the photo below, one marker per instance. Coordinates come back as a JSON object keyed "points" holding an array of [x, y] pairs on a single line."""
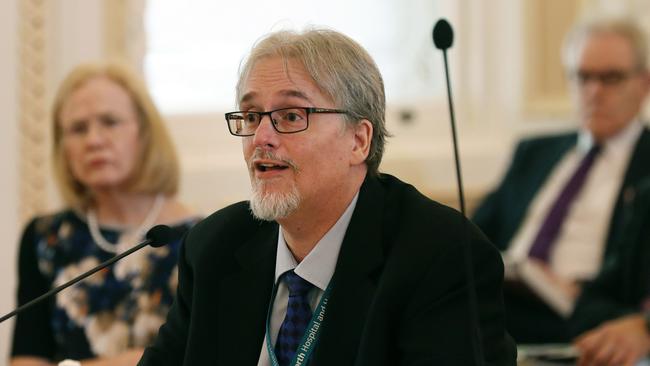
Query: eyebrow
{"points": [[285, 93]]}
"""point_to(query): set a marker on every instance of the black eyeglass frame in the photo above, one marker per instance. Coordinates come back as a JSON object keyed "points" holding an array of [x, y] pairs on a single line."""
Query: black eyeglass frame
{"points": [[612, 77], [308, 111]]}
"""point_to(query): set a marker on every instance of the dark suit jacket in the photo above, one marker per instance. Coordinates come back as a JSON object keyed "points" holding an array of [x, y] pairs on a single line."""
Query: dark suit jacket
{"points": [[399, 293], [529, 320], [624, 282]]}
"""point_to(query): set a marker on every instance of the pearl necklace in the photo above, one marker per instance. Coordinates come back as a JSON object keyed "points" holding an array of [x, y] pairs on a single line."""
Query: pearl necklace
{"points": [[138, 233]]}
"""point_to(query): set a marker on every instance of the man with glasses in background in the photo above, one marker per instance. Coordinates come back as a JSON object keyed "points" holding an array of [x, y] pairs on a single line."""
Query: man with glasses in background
{"points": [[331, 262], [559, 210]]}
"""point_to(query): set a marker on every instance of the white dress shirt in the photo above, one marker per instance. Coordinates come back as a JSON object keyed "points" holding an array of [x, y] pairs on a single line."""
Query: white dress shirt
{"points": [[316, 268], [579, 247]]}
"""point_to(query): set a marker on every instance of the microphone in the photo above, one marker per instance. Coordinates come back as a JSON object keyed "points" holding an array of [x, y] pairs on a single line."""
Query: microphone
{"points": [[156, 237], [443, 38], [443, 35]]}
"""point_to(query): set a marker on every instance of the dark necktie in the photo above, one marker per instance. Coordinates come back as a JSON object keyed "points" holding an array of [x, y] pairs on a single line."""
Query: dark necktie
{"points": [[552, 224], [295, 322]]}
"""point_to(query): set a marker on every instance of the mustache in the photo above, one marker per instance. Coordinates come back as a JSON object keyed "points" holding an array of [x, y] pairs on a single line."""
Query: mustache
{"points": [[269, 155]]}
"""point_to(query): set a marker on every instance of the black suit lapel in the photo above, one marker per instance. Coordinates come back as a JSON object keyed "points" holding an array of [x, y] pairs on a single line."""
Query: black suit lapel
{"points": [[638, 166], [248, 291], [353, 283], [637, 169], [547, 158]]}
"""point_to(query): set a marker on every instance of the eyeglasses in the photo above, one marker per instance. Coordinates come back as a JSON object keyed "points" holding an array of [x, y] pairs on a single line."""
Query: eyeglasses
{"points": [[284, 120], [606, 78]]}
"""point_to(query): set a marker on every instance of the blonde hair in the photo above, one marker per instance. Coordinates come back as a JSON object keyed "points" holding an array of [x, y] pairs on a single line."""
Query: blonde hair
{"points": [[623, 26], [157, 168], [341, 68]]}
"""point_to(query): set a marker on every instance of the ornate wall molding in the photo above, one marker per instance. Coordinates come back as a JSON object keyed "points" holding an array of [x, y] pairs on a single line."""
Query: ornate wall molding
{"points": [[125, 38], [33, 127], [545, 25]]}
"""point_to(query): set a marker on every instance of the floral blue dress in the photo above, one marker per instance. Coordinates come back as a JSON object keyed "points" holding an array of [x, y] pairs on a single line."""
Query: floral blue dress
{"points": [[117, 308]]}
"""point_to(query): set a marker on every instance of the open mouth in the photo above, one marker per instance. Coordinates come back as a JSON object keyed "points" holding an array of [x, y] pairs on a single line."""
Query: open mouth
{"points": [[265, 167]]}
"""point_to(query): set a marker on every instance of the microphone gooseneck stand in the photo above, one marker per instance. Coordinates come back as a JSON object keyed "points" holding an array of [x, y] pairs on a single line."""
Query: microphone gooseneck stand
{"points": [[443, 38], [157, 236]]}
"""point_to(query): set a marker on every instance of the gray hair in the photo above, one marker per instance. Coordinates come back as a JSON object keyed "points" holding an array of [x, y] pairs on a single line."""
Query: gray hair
{"points": [[340, 67], [622, 26]]}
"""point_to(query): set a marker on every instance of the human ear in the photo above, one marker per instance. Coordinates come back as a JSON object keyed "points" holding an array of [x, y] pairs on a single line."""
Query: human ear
{"points": [[362, 139]]}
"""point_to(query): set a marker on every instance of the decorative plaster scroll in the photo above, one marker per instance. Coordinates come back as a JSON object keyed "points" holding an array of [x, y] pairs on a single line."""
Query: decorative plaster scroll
{"points": [[33, 127]]}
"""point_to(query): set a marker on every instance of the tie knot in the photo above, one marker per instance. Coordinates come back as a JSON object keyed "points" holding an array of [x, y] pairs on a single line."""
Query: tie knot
{"points": [[595, 149], [588, 160], [296, 284]]}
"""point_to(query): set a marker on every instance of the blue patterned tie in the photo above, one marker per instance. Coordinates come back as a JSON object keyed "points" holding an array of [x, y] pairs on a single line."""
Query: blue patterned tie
{"points": [[548, 232], [295, 322]]}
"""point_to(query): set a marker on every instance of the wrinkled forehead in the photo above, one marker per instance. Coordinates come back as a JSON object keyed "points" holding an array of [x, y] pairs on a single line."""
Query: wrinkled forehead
{"points": [[279, 77]]}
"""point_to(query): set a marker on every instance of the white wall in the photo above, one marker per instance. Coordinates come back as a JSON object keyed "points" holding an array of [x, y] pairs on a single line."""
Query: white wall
{"points": [[75, 35], [8, 167]]}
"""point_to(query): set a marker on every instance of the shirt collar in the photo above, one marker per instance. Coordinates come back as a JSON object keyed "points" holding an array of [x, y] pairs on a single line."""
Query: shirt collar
{"points": [[617, 144], [318, 266]]}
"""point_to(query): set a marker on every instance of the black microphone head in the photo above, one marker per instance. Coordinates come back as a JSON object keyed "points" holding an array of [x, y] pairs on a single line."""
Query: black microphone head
{"points": [[443, 35], [160, 235]]}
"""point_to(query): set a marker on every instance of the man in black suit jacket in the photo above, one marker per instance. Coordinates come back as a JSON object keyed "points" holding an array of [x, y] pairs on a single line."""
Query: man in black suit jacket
{"points": [[612, 315], [605, 60], [385, 265]]}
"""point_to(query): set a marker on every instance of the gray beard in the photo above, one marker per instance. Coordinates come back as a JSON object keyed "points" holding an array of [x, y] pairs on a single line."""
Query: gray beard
{"points": [[273, 206]]}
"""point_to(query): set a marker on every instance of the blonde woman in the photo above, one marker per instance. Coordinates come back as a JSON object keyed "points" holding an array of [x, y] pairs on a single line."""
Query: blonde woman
{"points": [[118, 174]]}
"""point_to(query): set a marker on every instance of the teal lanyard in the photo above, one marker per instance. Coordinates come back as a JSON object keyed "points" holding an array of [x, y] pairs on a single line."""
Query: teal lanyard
{"points": [[309, 339]]}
